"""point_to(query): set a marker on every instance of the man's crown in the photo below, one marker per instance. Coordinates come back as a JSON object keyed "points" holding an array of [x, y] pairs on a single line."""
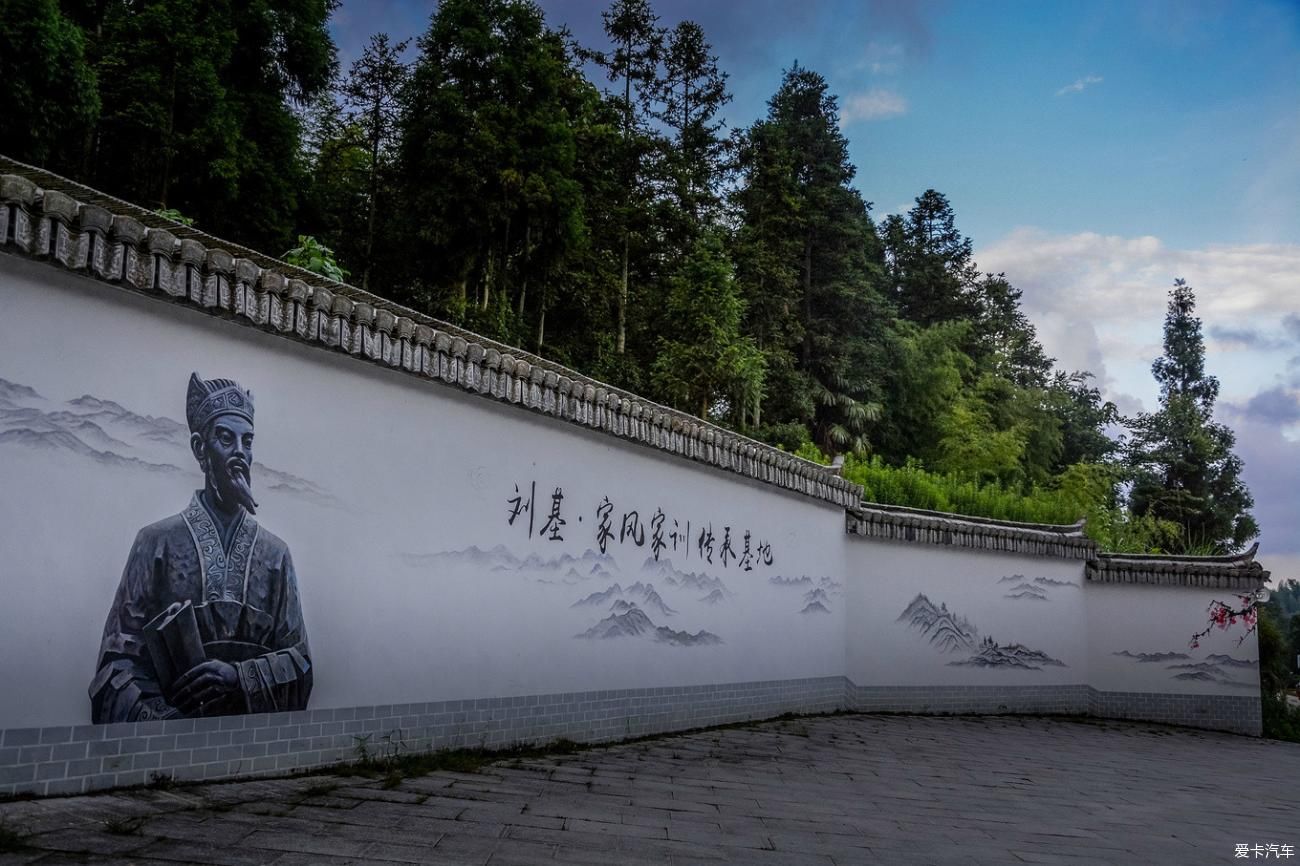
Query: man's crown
{"points": [[209, 398]]}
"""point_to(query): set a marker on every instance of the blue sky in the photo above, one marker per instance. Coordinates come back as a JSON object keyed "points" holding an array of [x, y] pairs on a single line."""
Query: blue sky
{"points": [[1093, 151]]}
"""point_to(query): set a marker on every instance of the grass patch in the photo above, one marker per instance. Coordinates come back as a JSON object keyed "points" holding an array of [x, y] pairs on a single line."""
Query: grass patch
{"points": [[1281, 721], [321, 789], [161, 781], [390, 760], [123, 826], [12, 840]]}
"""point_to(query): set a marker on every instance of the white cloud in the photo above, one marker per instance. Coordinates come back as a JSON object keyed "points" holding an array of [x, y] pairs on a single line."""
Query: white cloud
{"points": [[1114, 279], [882, 58], [1098, 302], [1079, 85], [1271, 469], [874, 104]]}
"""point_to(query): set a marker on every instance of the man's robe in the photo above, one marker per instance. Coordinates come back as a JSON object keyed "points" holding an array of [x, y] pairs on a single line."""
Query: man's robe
{"points": [[245, 598]]}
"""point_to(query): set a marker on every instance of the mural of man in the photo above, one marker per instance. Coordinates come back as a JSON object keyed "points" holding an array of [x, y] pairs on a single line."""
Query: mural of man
{"points": [[207, 620]]}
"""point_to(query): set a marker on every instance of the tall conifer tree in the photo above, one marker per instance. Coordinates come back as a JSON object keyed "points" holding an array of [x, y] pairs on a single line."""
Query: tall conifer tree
{"points": [[1183, 464], [810, 263], [372, 91], [633, 30]]}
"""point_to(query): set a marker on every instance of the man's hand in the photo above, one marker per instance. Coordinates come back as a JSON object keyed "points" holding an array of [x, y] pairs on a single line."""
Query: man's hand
{"points": [[203, 684]]}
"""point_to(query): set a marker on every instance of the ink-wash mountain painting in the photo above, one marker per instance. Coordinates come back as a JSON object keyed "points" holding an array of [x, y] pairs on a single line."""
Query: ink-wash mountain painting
{"points": [[818, 594], [1031, 589], [950, 633], [108, 434], [1213, 669], [587, 604]]}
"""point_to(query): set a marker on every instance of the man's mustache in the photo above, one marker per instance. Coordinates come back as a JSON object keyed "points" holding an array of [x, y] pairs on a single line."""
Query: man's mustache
{"points": [[240, 486]]}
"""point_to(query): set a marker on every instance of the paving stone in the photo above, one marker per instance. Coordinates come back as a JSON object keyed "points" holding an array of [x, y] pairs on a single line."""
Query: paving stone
{"points": [[823, 792]]}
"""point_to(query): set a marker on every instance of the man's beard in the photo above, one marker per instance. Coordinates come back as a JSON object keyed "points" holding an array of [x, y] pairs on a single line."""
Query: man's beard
{"points": [[232, 485]]}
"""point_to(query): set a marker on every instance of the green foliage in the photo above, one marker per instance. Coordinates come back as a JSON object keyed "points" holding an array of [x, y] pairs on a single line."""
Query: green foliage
{"points": [[922, 384], [1084, 419], [312, 255], [489, 154], [12, 840], [1182, 461], [812, 453], [809, 262], [175, 216], [372, 91], [931, 273], [1090, 489], [1274, 665], [196, 107], [1281, 721], [1285, 602], [691, 92], [707, 362], [1084, 491], [623, 233], [910, 485], [335, 207], [47, 87], [1276, 656], [972, 445]]}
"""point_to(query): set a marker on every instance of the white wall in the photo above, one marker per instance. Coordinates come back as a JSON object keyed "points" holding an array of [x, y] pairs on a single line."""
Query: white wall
{"points": [[1140, 636], [388, 472], [384, 486], [968, 596]]}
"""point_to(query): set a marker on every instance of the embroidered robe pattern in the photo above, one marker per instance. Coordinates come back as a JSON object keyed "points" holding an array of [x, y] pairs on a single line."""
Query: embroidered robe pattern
{"points": [[245, 599]]}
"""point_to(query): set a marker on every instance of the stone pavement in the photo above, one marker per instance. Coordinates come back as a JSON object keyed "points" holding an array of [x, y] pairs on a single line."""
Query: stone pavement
{"points": [[826, 790]]}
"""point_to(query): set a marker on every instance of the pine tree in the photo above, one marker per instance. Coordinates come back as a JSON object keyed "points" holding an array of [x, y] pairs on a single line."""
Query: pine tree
{"points": [[707, 364], [489, 161], [693, 91], [1183, 465], [929, 262], [372, 89], [810, 262], [633, 30], [198, 108]]}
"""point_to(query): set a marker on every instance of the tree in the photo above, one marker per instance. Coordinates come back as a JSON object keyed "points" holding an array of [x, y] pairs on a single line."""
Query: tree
{"points": [[809, 264], [1182, 461], [489, 161], [692, 92], [707, 363], [929, 263], [1003, 340], [335, 205], [48, 89], [198, 107], [925, 379], [372, 89], [1084, 419], [632, 28]]}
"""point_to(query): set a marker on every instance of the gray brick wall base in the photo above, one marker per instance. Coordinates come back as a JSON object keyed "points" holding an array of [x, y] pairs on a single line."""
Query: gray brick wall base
{"points": [[76, 759], [1240, 714], [72, 760], [1070, 699]]}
